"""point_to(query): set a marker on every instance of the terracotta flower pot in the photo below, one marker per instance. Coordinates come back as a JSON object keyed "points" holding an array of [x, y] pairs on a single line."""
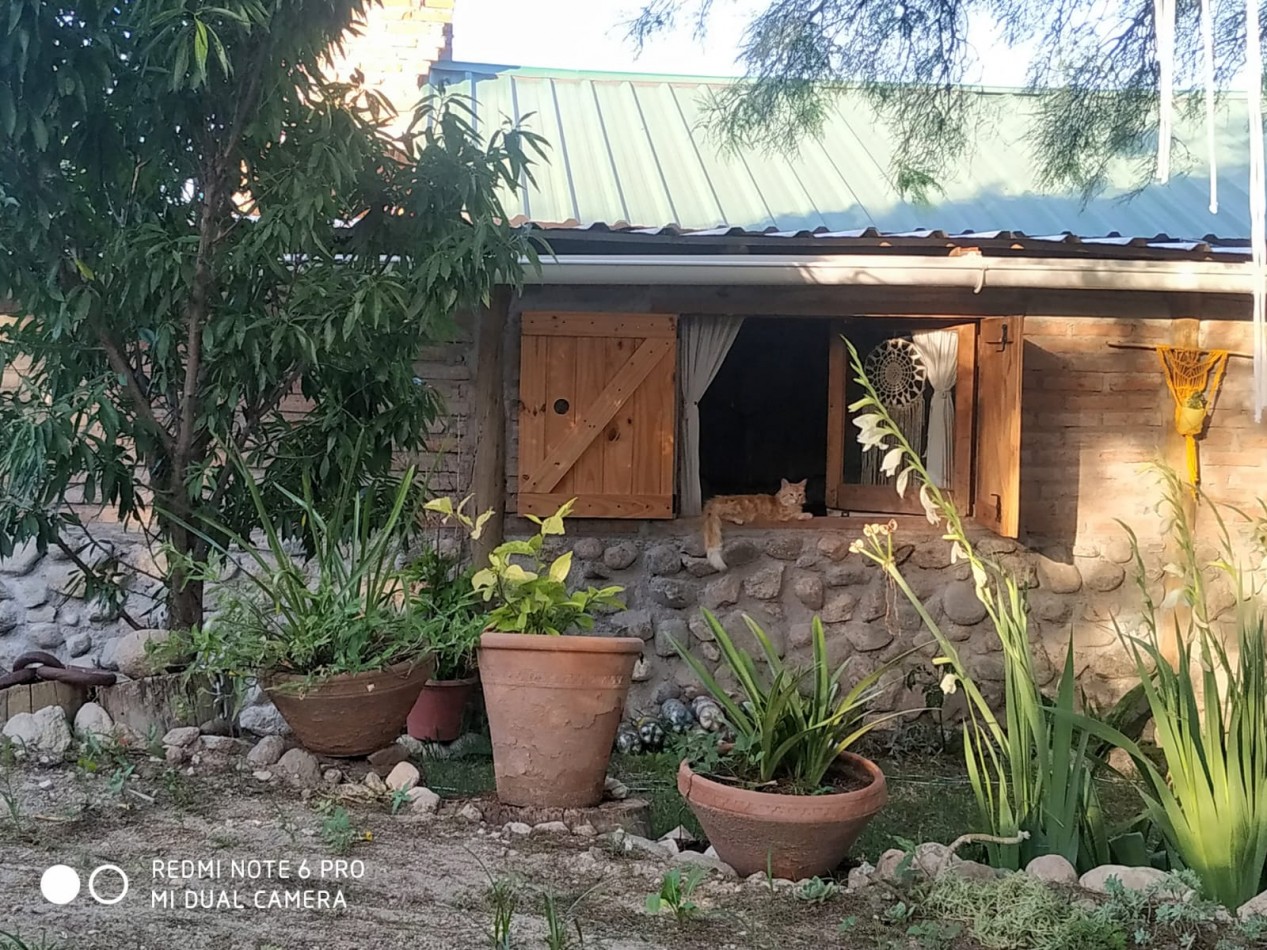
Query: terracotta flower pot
{"points": [[553, 706], [437, 715], [350, 714], [799, 836]]}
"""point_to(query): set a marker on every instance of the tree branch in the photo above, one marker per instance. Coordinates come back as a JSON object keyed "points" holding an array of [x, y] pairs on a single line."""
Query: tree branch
{"points": [[88, 571], [133, 388]]}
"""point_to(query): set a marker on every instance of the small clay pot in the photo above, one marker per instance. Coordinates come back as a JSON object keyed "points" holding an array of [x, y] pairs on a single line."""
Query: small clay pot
{"points": [[554, 704], [437, 715], [793, 836], [349, 714]]}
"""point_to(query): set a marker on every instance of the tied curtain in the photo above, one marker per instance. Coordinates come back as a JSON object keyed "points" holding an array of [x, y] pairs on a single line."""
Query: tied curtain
{"points": [[703, 343], [939, 349]]}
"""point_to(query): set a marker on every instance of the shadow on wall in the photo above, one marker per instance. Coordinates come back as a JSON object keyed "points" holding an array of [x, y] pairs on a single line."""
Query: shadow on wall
{"points": [[1088, 427]]}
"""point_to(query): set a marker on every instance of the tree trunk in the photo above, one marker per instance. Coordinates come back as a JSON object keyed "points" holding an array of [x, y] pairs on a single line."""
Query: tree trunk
{"points": [[184, 594]]}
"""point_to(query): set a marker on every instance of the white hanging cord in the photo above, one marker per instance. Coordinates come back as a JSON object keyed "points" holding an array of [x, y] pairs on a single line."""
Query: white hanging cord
{"points": [[1164, 13], [1207, 41], [1257, 201]]}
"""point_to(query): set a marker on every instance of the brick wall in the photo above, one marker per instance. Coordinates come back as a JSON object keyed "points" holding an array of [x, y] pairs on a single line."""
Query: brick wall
{"points": [[398, 42]]}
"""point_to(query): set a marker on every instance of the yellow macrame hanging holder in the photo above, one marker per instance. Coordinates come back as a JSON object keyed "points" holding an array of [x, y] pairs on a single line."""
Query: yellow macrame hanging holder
{"points": [[1193, 377]]}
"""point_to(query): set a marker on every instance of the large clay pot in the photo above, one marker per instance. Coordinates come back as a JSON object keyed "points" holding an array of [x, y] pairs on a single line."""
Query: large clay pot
{"points": [[437, 715], [793, 836], [350, 714], [553, 706]]}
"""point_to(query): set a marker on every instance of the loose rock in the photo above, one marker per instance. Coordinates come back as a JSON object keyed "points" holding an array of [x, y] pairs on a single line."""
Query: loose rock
{"points": [[44, 732], [130, 652], [266, 752], [471, 812], [263, 720], [403, 777], [551, 828], [374, 782], [1254, 907], [1053, 869], [696, 859], [1133, 879], [299, 767], [516, 828], [92, 720], [423, 801], [384, 760], [181, 736]]}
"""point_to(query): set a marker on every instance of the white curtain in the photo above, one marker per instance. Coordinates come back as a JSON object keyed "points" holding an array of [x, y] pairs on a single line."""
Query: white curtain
{"points": [[939, 349], [703, 343]]}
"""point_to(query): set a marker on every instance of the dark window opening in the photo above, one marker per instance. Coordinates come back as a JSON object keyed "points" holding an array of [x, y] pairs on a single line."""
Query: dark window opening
{"points": [[764, 416]]}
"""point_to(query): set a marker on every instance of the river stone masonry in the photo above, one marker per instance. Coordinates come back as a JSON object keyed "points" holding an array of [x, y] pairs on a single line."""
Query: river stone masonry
{"points": [[783, 578]]}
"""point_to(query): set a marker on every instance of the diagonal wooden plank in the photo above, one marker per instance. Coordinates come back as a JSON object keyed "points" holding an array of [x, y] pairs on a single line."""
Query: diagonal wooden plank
{"points": [[628, 378]]}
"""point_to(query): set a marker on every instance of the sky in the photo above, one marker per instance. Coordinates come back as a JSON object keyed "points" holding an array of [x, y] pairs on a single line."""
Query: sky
{"points": [[590, 35]]}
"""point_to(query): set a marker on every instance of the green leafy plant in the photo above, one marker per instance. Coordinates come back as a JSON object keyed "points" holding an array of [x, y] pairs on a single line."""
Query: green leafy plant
{"points": [[817, 891], [791, 724], [533, 598], [1209, 709], [336, 605], [198, 220], [443, 606], [675, 893], [15, 941], [563, 929], [337, 831], [503, 898], [1033, 770]]}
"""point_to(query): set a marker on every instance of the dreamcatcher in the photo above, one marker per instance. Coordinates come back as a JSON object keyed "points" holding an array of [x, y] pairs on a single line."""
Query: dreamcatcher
{"points": [[898, 374]]}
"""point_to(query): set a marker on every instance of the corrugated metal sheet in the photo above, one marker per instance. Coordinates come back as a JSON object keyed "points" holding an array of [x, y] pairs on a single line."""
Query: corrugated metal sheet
{"points": [[632, 150]]}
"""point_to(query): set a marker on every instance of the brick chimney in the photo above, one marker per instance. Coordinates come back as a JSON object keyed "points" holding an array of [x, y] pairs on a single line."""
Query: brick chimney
{"points": [[399, 41]]}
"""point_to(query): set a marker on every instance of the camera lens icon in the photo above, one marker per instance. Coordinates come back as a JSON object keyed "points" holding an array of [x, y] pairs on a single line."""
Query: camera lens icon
{"points": [[107, 884]]}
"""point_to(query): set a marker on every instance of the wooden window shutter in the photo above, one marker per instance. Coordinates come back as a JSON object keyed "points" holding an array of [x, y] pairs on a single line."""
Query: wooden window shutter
{"points": [[997, 495], [598, 414]]}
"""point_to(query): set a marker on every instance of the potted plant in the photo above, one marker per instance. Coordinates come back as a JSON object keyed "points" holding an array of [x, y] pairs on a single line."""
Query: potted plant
{"points": [[553, 700], [443, 602], [320, 621], [787, 796]]}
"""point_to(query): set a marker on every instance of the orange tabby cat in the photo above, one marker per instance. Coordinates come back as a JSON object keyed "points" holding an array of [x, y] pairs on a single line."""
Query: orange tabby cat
{"points": [[783, 505]]}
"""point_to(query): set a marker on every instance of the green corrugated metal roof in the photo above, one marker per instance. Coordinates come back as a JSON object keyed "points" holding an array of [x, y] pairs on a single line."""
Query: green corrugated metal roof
{"points": [[630, 148]]}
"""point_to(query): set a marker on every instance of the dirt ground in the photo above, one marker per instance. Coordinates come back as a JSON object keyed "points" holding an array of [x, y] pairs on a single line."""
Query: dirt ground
{"points": [[424, 881]]}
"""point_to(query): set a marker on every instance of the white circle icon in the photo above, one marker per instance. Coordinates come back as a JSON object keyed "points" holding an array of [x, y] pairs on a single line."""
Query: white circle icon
{"points": [[92, 884], [60, 884]]}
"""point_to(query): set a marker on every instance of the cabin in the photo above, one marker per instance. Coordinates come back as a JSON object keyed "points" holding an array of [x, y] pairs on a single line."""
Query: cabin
{"points": [[685, 337]]}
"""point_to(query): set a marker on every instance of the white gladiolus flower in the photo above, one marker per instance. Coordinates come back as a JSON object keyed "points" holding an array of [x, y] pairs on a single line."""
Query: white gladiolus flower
{"points": [[892, 459], [870, 435], [930, 507], [902, 479]]}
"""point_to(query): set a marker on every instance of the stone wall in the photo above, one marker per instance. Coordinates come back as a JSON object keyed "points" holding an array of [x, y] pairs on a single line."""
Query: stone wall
{"points": [[783, 577]]}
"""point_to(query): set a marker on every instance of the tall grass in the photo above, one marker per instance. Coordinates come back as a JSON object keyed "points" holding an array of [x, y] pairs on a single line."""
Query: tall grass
{"points": [[1031, 771], [1209, 708]]}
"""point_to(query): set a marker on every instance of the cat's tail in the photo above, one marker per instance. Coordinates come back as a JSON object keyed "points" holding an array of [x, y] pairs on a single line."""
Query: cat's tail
{"points": [[712, 537]]}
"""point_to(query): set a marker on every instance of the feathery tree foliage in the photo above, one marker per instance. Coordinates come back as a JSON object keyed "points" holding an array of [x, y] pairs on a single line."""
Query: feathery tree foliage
{"points": [[1097, 70], [196, 221]]}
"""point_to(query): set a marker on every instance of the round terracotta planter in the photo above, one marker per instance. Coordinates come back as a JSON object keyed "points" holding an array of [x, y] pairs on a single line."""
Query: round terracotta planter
{"points": [[437, 715], [794, 836], [350, 714], [553, 706]]}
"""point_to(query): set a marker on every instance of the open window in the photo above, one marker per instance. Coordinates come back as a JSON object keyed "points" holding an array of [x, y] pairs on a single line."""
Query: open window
{"points": [[597, 414], [763, 417], [954, 390]]}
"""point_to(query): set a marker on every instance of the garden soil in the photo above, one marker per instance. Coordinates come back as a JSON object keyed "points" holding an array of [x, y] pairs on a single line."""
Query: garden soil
{"points": [[422, 882]]}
